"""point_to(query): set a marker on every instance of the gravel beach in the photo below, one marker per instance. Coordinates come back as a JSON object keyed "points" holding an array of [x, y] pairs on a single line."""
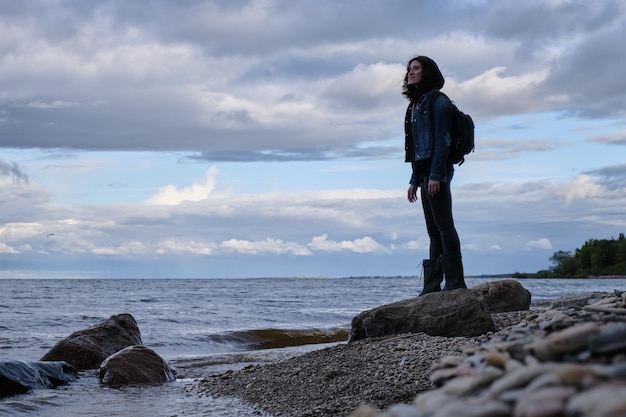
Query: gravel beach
{"points": [[335, 381]]}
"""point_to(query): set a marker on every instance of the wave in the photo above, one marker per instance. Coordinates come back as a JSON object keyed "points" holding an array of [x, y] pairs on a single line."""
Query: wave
{"points": [[280, 338], [246, 347]]}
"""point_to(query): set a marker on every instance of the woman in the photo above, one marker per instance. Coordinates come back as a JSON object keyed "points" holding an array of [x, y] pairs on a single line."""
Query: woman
{"points": [[427, 142]]}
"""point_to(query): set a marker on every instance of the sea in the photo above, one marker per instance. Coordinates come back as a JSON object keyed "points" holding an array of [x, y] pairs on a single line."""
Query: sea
{"points": [[201, 327]]}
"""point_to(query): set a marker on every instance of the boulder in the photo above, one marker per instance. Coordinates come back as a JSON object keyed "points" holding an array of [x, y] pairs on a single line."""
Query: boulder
{"points": [[18, 377], [86, 349], [504, 295], [135, 365], [447, 313]]}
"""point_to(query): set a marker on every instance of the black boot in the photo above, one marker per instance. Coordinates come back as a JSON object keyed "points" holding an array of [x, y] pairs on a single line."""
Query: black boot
{"points": [[453, 269], [433, 276]]}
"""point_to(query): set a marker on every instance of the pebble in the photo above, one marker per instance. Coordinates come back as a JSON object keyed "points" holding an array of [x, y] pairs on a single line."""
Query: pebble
{"points": [[569, 360]]}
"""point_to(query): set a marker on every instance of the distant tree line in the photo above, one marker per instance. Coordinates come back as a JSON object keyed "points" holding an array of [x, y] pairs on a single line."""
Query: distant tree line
{"points": [[596, 257]]}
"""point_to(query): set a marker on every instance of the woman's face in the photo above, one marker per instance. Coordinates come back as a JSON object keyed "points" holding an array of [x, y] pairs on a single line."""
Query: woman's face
{"points": [[415, 72]]}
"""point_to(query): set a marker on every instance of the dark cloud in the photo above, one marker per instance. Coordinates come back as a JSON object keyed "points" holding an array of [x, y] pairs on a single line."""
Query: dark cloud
{"points": [[268, 155], [306, 154], [539, 21], [615, 139], [211, 77], [12, 170], [613, 177], [615, 171]]}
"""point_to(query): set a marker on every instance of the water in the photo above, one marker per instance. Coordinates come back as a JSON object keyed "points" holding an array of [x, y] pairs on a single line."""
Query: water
{"points": [[201, 327]]}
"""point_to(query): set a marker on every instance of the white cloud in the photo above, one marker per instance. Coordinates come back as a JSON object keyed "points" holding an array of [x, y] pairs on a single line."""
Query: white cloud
{"points": [[582, 187], [382, 79], [20, 230], [189, 246], [539, 244], [170, 195], [490, 93], [362, 245], [4, 248], [267, 246], [129, 248]]}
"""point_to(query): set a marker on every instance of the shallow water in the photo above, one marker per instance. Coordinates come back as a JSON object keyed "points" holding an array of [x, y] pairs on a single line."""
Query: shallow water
{"points": [[200, 327]]}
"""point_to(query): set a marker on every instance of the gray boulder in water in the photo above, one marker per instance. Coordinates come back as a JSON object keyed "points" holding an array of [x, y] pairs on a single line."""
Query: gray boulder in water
{"points": [[18, 377], [447, 313], [86, 349], [135, 365]]}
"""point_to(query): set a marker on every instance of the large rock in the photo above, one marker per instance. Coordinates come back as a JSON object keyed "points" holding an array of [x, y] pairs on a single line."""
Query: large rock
{"points": [[86, 349], [504, 295], [18, 377], [135, 365], [447, 313]]}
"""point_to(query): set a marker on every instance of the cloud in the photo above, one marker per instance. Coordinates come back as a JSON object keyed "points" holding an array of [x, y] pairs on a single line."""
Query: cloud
{"points": [[20, 230], [382, 81], [267, 246], [170, 195], [490, 92], [12, 170], [617, 138], [582, 187], [185, 246], [4, 248], [611, 178], [614, 172], [123, 77], [129, 248], [362, 245], [539, 244], [499, 149]]}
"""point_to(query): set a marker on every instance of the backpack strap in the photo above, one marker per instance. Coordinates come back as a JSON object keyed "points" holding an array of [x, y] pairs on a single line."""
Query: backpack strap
{"points": [[432, 96]]}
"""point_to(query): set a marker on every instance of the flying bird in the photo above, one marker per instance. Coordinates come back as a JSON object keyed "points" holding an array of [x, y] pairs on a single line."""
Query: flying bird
{"points": [[50, 234]]}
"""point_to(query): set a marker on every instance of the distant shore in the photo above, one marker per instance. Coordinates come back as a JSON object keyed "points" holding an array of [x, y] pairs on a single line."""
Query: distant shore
{"points": [[522, 275]]}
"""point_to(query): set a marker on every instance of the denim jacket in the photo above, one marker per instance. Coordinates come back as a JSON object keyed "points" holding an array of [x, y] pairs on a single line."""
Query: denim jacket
{"points": [[427, 140]]}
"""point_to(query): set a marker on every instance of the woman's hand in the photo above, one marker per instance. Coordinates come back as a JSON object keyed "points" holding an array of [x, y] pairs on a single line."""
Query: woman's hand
{"points": [[411, 194], [433, 187]]}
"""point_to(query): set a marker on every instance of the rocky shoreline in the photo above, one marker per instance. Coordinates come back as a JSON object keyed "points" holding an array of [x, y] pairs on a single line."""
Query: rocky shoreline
{"points": [[336, 380], [416, 375]]}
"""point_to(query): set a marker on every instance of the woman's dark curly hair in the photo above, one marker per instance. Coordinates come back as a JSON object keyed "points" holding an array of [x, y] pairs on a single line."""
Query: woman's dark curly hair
{"points": [[431, 78]]}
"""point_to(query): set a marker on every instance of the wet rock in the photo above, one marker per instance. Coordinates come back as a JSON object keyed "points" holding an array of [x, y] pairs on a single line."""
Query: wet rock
{"points": [[86, 349], [135, 365], [446, 313], [18, 377], [504, 295]]}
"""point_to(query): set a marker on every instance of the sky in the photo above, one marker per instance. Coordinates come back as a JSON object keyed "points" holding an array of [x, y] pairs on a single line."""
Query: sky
{"points": [[235, 138]]}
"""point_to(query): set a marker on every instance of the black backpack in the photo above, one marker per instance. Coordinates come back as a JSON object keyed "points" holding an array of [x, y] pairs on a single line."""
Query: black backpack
{"points": [[461, 131]]}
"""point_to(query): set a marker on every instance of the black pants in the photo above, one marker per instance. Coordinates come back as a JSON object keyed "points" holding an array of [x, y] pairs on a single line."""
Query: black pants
{"points": [[439, 222]]}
